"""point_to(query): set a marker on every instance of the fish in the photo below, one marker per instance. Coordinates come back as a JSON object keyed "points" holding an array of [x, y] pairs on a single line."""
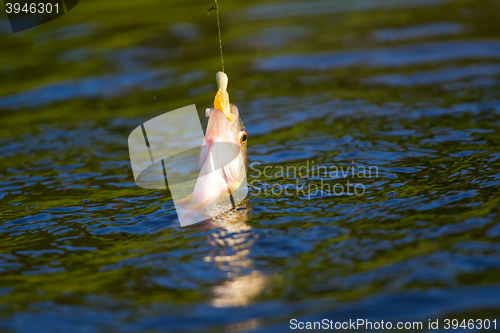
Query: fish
{"points": [[229, 234], [221, 183]]}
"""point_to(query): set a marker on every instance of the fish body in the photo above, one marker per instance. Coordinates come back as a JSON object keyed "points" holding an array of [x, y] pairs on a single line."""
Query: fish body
{"points": [[223, 160]]}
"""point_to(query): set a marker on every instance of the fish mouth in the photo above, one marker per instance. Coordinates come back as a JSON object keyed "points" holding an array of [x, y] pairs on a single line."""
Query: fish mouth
{"points": [[229, 115]]}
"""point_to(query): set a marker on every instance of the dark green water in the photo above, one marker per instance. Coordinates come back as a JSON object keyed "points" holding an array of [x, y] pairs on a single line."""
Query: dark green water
{"points": [[409, 90]]}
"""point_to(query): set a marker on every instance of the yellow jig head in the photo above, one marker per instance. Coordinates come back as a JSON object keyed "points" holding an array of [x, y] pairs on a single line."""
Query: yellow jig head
{"points": [[221, 101]]}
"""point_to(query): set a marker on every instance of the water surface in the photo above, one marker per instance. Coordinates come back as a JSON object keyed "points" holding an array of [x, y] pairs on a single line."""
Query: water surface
{"points": [[406, 89]]}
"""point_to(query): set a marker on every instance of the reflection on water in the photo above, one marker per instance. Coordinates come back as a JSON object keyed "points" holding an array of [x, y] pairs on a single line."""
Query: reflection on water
{"points": [[321, 7], [398, 56], [232, 240], [187, 31], [442, 75], [408, 87], [99, 87], [272, 38], [430, 30], [68, 32], [110, 86]]}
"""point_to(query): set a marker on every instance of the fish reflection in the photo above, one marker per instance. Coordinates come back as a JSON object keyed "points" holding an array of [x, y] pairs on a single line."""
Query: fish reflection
{"points": [[232, 240]]}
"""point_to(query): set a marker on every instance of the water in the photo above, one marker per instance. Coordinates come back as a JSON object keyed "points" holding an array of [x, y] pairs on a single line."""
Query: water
{"points": [[398, 98]]}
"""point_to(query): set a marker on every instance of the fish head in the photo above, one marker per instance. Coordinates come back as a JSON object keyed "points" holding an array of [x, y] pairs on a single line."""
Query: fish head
{"points": [[226, 140]]}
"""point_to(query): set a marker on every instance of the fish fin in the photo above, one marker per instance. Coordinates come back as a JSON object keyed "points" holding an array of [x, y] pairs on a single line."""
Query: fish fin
{"points": [[185, 201], [189, 204]]}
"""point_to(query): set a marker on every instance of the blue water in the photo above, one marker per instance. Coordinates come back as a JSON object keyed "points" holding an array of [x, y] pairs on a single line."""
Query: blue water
{"points": [[373, 167]]}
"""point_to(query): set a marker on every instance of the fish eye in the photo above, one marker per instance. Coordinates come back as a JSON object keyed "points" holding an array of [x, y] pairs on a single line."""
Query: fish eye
{"points": [[244, 137]]}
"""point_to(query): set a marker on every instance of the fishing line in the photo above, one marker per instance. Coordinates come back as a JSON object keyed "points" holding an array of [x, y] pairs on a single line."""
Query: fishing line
{"points": [[216, 7]]}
